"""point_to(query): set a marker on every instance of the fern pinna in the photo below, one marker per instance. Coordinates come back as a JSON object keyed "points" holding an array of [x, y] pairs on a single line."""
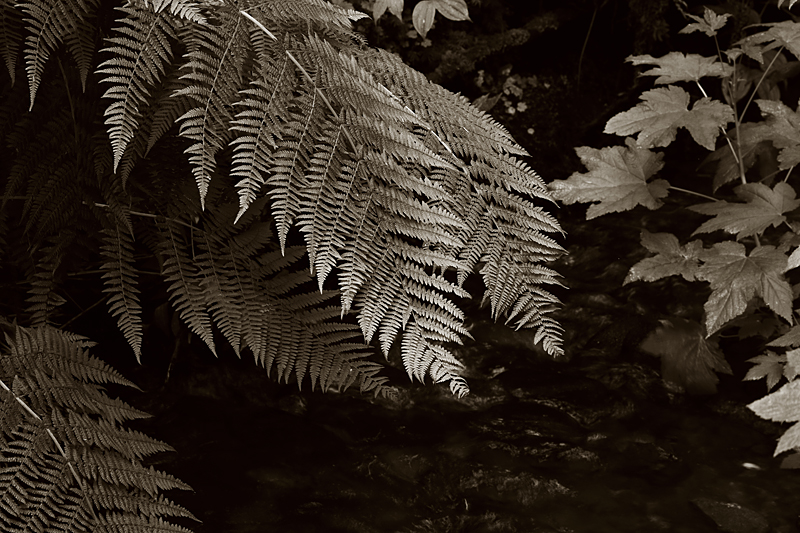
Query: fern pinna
{"points": [[400, 189]]}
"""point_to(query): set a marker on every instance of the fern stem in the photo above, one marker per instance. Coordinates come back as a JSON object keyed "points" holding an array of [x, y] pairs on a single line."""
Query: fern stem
{"points": [[305, 73], [687, 191], [60, 448], [586, 42], [76, 317], [325, 99]]}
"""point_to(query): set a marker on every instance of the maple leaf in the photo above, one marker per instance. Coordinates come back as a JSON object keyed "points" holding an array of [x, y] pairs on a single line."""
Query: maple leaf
{"points": [[672, 259], [709, 24], [792, 368], [688, 358], [617, 179], [784, 127], [754, 143], [769, 365], [784, 34], [794, 259], [790, 338], [676, 66], [736, 278], [782, 405], [664, 110], [763, 207]]}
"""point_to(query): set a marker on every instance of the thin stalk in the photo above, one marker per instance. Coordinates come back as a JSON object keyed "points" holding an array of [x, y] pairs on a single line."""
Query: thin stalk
{"points": [[763, 77], [693, 193]]}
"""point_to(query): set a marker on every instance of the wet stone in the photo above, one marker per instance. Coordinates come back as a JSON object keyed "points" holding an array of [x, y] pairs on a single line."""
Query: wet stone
{"points": [[732, 517]]}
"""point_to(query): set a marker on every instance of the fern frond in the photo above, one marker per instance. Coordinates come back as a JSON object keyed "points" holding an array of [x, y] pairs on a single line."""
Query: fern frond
{"points": [[43, 294], [421, 357], [140, 56], [181, 273], [10, 36], [184, 9], [292, 157], [215, 71], [120, 282], [49, 22], [80, 42], [265, 106]]}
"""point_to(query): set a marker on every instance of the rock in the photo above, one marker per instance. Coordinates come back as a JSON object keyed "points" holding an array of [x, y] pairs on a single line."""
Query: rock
{"points": [[732, 517]]}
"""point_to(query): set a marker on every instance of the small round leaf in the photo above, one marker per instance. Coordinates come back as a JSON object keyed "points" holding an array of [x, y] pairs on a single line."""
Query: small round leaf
{"points": [[452, 9], [422, 17]]}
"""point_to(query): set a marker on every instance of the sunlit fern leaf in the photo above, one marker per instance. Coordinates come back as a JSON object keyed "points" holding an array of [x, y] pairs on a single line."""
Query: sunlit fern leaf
{"points": [[167, 108], [140, 55], [291, 158], [49, 22], [120, 282], [264, 105], [307, 13], [324, 201], [214, 71], [421, 357], [10, 36], [184, 9], [180, 272], [361, 253]]}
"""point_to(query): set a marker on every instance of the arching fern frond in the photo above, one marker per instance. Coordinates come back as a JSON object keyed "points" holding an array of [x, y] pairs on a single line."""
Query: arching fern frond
{"points": [[216, 62], [181, 273], [184, 9], [120, 282], [251, 298], [49, 23], [140, 56], [10, 36]]}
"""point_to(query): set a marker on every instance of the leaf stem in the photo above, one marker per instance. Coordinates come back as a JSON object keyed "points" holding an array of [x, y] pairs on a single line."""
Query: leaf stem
{"points": [[763, 77], [687, 191]]}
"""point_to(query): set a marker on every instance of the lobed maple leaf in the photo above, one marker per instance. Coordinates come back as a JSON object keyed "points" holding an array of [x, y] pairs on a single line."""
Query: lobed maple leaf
{"points": [[617, 180], [768, 365], [782, 405], [784, 128], [664, 110], [710, 24], [763, 207], [736, 278], [676, 66], [790, 338], [688, 358], [784, 34], [671, 258]]}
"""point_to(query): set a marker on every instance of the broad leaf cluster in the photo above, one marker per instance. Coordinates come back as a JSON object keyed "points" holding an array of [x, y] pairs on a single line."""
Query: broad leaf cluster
{"points": [[751, 241]]}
